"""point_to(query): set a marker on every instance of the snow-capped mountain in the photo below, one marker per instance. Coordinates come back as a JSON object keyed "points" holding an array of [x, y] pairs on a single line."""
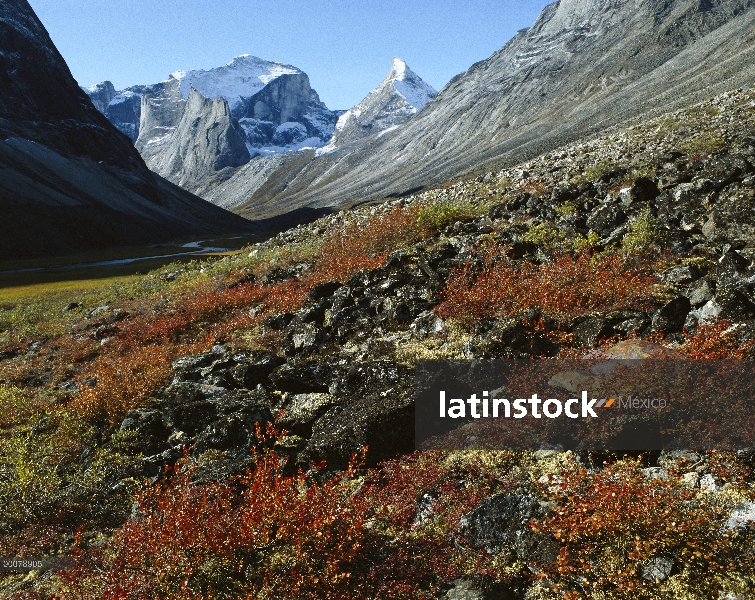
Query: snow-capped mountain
{"points": [[242, 78], [123, 109], [583, 66], [401, 94], [270, 104]]}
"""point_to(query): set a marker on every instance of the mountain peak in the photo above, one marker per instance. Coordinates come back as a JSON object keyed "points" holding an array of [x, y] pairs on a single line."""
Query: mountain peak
{"points": [[408, 85], [102, 86], [398, 68], [241, 78], [400, 95]]}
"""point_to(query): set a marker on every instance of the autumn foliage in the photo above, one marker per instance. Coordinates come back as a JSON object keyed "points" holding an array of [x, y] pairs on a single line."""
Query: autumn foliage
{"points": [[261, 531], [567, 286], [271, 535], [618, 526]]}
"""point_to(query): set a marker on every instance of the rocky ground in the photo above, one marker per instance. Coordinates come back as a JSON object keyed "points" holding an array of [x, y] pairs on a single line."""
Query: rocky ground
{"points": [[648, 231]]}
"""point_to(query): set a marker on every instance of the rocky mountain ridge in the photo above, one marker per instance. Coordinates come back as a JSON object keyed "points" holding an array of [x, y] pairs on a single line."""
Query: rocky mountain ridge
{"points": [[583, 66], [386, 108], [270, 105]]}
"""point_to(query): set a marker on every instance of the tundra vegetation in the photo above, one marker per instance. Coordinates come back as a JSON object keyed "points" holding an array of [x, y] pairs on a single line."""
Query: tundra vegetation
{"points": [[643, 232]]}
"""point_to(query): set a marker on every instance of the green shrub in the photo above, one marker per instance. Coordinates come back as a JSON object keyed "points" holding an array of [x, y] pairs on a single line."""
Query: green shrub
{"points": [[582, 243], [544, 235], [29, 485], [595, 171], [439, 214], [567, 209], [704, 143], [642, 234]]}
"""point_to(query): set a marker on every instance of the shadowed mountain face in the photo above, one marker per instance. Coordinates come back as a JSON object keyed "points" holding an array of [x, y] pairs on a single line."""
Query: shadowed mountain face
{"points": [[41, 101], [584, 65], [69, 181]]}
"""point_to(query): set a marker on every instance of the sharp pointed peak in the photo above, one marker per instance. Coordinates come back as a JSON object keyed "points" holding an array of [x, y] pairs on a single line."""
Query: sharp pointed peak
{"points": [[399, 64]]}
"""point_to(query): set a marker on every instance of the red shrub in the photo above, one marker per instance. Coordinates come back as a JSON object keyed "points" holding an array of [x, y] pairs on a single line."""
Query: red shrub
{"points": [[565, 287], [123, 382], [611, 522], [283, 537], [381, 233], [261, 533], [717, 341]]}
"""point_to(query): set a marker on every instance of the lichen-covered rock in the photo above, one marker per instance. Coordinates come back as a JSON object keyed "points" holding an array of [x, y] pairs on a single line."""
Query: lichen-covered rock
{"points": [[501, 525]]}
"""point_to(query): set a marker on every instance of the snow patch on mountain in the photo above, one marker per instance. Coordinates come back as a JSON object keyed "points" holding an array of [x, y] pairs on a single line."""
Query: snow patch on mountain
{"points": [[241, 78], [124, 96], [400, 95], [410, 86]]}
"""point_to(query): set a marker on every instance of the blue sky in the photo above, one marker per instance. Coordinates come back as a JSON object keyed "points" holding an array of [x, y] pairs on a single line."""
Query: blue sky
{"points": [[345, 47]]}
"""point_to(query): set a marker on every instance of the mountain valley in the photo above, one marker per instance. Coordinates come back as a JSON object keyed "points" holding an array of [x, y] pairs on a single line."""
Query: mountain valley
{"points": [[70, 182], [244, 425]]}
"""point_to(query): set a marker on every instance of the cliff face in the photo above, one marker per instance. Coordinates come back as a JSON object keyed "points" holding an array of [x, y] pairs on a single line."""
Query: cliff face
{"points": [[583, 65], [69, 180], [271, 106], [205, 141], [160, 113]]}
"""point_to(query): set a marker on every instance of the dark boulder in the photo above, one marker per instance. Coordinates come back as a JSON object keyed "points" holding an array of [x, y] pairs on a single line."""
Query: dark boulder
{"points": [[510, 338], [671, 317], [501, 525], [606, 218], [302, 377], [381, 422]]}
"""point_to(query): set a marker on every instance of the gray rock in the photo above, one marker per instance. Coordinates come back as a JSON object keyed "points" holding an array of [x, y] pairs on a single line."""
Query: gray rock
{"points": [[655, 473], [465, 590], [301, 410], [709, 313], [501, 524], [672, 316], [708, 482], [303, 337], [657, 568], [275, 110], [302, 377], [101, 94], [734, 303], [683, 274], [669, 459], [731, 267], [742, 516], [376, 410], [641, 190], [160, 111], [479, 588], [590, 331], [606, 218], [700, 293], [205, 141], [509, 338]]}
